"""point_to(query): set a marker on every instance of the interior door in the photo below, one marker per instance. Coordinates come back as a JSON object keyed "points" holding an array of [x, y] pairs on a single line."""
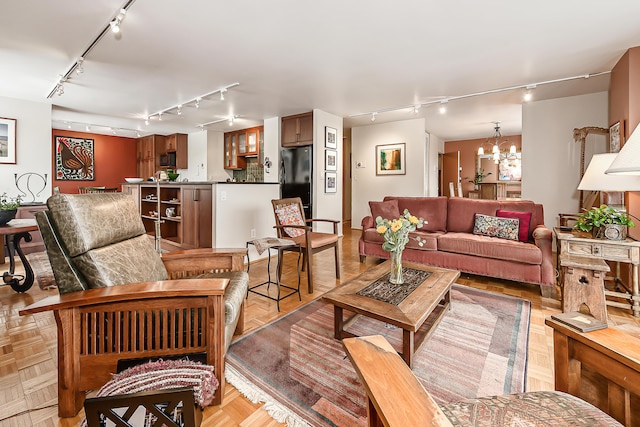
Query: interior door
{"points": [[450, 171]]}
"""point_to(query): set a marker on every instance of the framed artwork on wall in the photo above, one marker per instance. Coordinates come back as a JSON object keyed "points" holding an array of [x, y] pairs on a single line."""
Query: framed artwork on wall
{"points": [[616, 132], [74, 159], [330, 137], [390, 159], [330, 182], [331, 160], [7, 140]]}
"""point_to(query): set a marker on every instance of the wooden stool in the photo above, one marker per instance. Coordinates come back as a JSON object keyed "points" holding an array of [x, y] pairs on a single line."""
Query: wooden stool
{"points": [[584, 284]]}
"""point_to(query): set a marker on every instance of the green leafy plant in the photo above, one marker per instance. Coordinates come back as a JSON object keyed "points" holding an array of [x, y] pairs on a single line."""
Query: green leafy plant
{"points": [[480, 175], [9, 203], [600, 217]]}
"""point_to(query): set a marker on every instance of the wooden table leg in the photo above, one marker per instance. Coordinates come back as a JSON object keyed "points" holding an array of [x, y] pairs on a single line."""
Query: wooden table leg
{"points": [[408, 346], [338, 322]]}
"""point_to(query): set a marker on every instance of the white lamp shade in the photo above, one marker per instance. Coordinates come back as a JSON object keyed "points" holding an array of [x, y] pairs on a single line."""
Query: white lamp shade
{"points": [[595, 178], [627, 161]]}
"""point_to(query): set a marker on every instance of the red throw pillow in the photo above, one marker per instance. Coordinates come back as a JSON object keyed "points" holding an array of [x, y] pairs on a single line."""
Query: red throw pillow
{"points": [[387, 209], [525, 220]]}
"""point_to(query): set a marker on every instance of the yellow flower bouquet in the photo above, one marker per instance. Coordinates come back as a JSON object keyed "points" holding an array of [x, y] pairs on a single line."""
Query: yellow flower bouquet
{"points": [[396, 236]]}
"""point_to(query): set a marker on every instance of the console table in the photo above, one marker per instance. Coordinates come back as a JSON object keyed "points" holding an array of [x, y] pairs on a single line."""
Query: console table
{"points": [[14, 231], [627, 251]]}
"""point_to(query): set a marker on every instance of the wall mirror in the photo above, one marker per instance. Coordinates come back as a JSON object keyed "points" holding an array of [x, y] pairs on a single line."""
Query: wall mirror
{"points": [[508, 168]]}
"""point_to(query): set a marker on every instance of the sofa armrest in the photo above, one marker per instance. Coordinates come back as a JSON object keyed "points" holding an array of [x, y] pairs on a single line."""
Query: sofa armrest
{"points": [[367, 222], [543, 238]]}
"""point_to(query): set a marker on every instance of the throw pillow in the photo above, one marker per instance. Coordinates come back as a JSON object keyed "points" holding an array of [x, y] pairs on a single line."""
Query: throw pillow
{"points": [[504, 228], [387, 209], [290, 215], [523, 217]]}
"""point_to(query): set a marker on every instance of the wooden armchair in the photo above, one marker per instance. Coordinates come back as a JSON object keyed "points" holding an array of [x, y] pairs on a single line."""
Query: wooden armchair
{"points": [[396, 398], [120, 300], [291, 224]]}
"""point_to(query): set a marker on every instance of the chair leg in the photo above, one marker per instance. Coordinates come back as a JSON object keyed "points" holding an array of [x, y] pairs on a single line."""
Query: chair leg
{"points": [[337, 253], [309, 270], [363, 258]]}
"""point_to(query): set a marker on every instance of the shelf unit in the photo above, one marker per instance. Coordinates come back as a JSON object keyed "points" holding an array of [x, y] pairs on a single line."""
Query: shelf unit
{"points": [[151, 205]]}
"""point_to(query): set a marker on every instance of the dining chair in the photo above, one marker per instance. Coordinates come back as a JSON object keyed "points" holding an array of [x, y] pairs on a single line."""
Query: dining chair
{"points": [[292, 224]]}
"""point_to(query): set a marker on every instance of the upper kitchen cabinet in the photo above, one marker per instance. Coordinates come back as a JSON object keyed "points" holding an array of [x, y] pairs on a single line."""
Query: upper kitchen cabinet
{"points": [[241, 144], [297, 130], [175, 152], [148, 149]]}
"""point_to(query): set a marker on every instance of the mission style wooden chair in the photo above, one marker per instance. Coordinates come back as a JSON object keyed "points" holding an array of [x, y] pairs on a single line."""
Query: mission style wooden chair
{"points": [[120, 300], [292, 224]]}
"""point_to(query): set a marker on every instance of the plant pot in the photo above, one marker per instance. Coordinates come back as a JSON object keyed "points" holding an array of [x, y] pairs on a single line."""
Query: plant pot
{"points": [[6, 216], [610, 232]]}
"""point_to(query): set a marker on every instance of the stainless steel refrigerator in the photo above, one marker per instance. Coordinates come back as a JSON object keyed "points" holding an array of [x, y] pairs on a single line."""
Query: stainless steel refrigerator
{"points": [[296, 174]]}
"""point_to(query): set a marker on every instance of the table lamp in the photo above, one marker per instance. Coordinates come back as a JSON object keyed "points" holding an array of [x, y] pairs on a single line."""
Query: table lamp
{"points": [[627, 161], [595, 178]]}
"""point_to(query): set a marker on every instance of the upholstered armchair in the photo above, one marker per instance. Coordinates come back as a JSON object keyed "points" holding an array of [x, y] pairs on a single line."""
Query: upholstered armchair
{"points": [[292, 224], [120, 300]]}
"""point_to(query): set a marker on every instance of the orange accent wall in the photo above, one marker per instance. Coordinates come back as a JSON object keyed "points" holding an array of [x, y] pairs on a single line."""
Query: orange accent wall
{"points": [[468, 149], [114, 159]]}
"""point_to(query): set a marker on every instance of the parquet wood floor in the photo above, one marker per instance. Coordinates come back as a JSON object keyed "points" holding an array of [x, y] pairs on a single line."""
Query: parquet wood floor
{"points": [[28, 359]]}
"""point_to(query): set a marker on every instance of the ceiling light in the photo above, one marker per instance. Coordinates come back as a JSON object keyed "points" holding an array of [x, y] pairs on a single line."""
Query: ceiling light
{"points": [[373, 117], [222, 91], [68, 125], [179, 110], [160, 116], [443, 106], [146, 121], [138, 134], [416, 108], [115, 132], [202, 128], [197, 102], [87, 128], [115, 24], [231, 120]]}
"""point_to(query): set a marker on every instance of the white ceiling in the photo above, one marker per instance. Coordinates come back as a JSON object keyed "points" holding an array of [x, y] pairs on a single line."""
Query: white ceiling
{"points": [[345, 57]]}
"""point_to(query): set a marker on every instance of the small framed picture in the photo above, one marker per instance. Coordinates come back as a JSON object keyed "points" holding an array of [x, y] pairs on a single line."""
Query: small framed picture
{"points": [[616, 132], [331, 160], [330, 137], [390, 159], [330, 182], [7, 141]]}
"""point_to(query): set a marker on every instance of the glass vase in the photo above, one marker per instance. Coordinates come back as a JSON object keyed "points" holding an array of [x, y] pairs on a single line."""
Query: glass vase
{"points": [[396, 268]]}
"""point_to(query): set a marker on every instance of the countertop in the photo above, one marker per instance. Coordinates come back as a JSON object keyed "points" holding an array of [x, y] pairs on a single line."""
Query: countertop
{"points": [[194, 183]]}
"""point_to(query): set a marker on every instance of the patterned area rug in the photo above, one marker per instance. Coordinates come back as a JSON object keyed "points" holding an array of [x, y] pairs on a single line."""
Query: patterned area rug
{"points": [[302, 374], [42, 270]]}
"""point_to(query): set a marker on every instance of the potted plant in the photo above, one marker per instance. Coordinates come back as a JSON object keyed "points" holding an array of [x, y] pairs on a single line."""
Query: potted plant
{"points": [[605, 222], [480, 175], [8, 208]]}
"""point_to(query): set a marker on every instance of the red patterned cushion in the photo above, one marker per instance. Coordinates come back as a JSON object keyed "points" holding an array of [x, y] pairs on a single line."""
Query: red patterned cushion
{"points": [[523, 217], [504, 228], [290, 215]]}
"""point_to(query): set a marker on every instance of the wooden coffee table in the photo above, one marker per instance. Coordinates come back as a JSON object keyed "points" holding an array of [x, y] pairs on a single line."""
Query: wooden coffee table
{"points": [[418, 315]]}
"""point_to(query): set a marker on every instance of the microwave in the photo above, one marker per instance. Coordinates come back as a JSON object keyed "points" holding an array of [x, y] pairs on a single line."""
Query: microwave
{"points": [[168, 159]]}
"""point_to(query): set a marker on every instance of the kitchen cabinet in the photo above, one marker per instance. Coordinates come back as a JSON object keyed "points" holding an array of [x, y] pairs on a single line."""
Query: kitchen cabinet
{"points": [[148, 160], [197, 216], [177, 144], [241, 144], [184, 211], [297, 130]]}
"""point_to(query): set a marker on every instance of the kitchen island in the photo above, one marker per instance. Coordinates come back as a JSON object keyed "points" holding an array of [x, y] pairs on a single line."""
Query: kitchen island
{"points": [[206, 214]]}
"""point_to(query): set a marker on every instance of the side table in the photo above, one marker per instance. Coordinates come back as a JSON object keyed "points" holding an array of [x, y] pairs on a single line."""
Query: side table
{"points": [[268, 243], [14, 231], [627, 251]]}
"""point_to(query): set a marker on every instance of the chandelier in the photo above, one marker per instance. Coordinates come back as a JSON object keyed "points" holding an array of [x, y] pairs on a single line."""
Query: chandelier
{"points": [[497, 144]]}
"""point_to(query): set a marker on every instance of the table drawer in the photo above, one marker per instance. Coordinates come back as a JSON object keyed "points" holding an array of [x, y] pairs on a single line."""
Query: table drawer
{"points": [[601, 250]]}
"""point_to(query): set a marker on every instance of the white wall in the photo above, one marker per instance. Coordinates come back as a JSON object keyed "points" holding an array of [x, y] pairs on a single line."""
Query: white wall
{"points": [[366, 185], [326, 205], [435, 147], [33, 145], [239, 208], [215, 157], [550, 156], [272, 148]]}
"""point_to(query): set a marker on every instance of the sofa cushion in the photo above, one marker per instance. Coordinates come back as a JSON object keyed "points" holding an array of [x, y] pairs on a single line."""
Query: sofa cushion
{"points": [[537, 408], [430, 239], [504, 228], [431, 209], [387, 209], [290, 215], [490, 247], [523, 217]]}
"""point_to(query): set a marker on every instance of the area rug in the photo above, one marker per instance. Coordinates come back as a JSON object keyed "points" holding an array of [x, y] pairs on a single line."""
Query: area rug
{"points": [[42, 270], [301, 373]]}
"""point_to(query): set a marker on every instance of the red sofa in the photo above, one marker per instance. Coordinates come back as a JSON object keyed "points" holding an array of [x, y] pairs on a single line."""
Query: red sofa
{"points": [[450, 242]]}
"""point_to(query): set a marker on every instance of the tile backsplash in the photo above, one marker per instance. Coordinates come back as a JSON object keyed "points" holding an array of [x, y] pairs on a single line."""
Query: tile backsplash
{"points": [[253, 172]]}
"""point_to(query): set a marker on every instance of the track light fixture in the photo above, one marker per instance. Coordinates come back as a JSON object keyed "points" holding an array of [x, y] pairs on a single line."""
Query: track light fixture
{"points": [[416, 108], [87, 128], [373, 116], [79, 67], [230, 119], [195, 101], [528, 96], [146, 121], [115, 24], [104, 129], [530, 87]]}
